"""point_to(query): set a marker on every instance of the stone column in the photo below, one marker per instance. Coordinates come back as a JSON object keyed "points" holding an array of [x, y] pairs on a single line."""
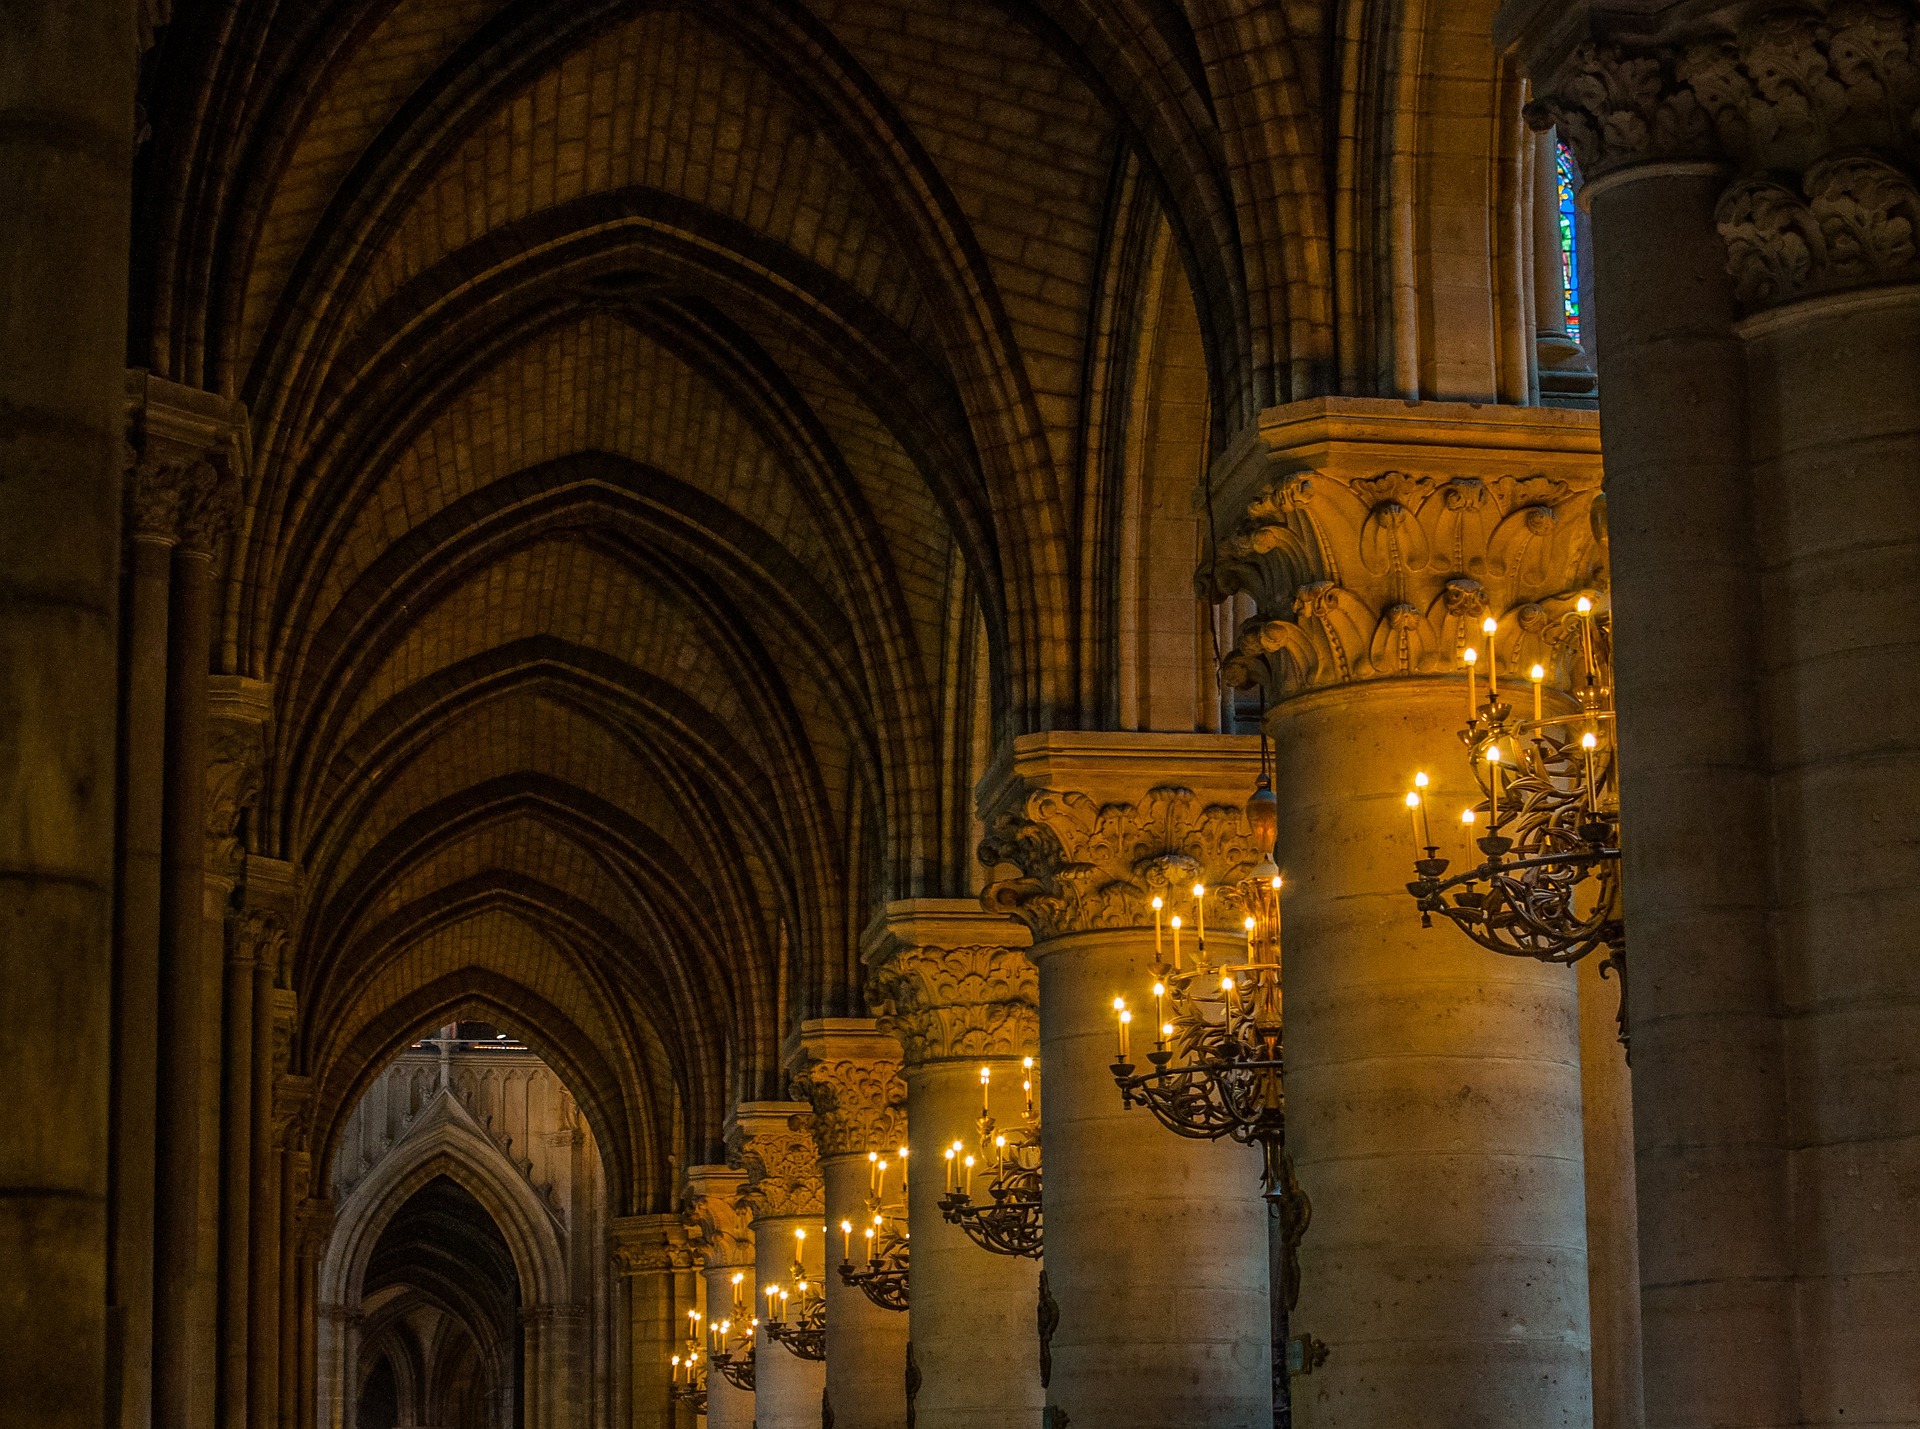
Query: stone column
{"points": [[651, 1254], [952, 983], [771, 1143], [154, 498], [270, 900], [849, 1072], [1156, 1245], [67, 75], [1433, 1088], [1752, 181], [719, 1230], [313, 1228]]}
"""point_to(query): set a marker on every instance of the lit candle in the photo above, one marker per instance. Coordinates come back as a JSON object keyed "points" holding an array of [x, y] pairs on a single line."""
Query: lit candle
{"points": [[880, 1191], [1493, 786], [1584, 608], [1491, 629], [1175, 922], [1027, 1085], [676, 1369], [1160, 1002], [1589, 742], [1472, 658], [1537, 674], [903, 1173], [846, 1240], [986, 1081], [869, 1234], [969, 1178], [1200, 918], [1157, 906], [1120, 1024], [739, 1294], [1126, 1018], [949, 1170], [1276, 913], [1424, 834], [1413, 812]]}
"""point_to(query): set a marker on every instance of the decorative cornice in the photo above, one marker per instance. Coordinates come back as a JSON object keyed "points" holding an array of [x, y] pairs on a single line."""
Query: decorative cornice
{"points": [[849, 1072], [772, 1143], [1374, 544], [718, 1231], [1087, 866], [642, 1245]]}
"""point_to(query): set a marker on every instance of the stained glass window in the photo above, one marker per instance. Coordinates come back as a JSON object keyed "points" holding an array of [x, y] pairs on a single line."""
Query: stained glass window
{"points": [[1569, 244]]}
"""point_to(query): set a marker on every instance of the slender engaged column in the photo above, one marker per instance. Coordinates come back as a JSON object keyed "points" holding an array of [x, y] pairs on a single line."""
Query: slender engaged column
{"points": [[771, 1143], [717, 1227], [849, 1073], [154, 502], [1433, 1088], [651, 1253], [67, 75], [953, 984], [1156, 1245]]}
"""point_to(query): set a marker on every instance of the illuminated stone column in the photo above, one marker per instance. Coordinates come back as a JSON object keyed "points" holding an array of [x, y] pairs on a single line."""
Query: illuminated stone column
{"points": [[653, 1256], [953, 984], [1752, 178], [771, 1142], [1433, 1087], [721, 1235], [849, 1072], [1156, 1245]]}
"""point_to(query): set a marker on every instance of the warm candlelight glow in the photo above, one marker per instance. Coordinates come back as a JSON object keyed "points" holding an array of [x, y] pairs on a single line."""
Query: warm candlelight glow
{"points": [[1472, 658], [1537, 674]]}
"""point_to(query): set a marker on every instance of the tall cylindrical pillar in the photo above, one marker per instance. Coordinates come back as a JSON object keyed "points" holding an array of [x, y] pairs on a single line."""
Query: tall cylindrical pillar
{"points": [[952, 982], [1156, 1245], [718, 1229], [1433, 1097], [1834, 384], [236, 1173], [650, 1252], [773, 1145], [67, 78], [849, 1072], [1613, 1237]]}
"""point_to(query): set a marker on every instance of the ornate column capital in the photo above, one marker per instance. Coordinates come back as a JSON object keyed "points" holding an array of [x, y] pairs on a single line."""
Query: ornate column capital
{"points": [[313, 1226], [952, 981], [848, 1070], [292, 1101], [1374, 537], [771, 1143], [239, 711], [642, 1245], [1091, 826], [717, 1228], [188, 452], [1815, 107]]}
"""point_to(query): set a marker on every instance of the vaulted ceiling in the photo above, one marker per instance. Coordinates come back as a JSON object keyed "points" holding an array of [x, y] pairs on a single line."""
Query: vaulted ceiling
{"points": [[683, 437]]}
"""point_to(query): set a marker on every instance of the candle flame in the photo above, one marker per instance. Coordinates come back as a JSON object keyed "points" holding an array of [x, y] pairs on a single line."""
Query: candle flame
{"points": [[1226, 984], [1493, 754], [1156, 902], [1583, 605], [1159, 989], [1489, 625], [1537, 674], [1587, 740], [1470, 655], [847, 1226], [1468, 816], [1413, 800], [1420, 780], [1250, 925], [1199, 890]]}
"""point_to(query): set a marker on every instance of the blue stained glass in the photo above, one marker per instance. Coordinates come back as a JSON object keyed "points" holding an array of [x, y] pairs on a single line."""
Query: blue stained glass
{"points": [[1569, 244]]}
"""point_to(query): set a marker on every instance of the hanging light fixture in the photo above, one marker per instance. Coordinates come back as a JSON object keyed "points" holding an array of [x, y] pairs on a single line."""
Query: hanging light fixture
{"points": [[730, 1342], [690, 1370], [799, 1324], [882, 1273], [1547, 826], [1216, 1064], [1008, 1223]]}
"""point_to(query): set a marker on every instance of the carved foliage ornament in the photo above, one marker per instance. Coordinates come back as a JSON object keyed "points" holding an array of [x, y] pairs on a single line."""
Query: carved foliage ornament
{"points": [[1087, 866], [649, 1243], [782, 1167], [965, 1002], [859, 1103], [1796, 85], [1853, 223], [717, 1228], [1392, 574], [233, 786]]}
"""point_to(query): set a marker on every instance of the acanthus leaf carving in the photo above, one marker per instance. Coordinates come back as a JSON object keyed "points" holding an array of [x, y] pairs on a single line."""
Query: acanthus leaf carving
{"points": [[859, 1103], [965, 1002], [1087, 866], [649, 1244], [781, 1166], [1854, 225]]}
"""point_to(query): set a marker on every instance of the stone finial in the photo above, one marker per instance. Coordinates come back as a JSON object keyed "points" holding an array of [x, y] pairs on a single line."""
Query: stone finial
{"points": [[1085, 865], [718, 1231], [849, 1072], [1374, 540], [772, 1144], [642, 1245]]}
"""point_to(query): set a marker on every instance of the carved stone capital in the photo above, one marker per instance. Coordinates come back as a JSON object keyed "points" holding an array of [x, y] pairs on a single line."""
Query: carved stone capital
{"points": [[772, 1144], [649, 1244], [239, 711], [718, 1230], [849, 1072], [292, 1107], [313, 1226], [952, 981], [1374, 539], [256, 937], [1852, 223]]}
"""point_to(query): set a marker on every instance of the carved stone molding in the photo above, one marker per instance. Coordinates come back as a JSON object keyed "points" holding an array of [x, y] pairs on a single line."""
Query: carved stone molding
{"points": [[772, 1144], [643, 1245], [256, 937], [292, 1106], [1374, 543], [187, 454], [1086, 866], [966, 1002], [718, 1230], [239, 711], [849, 1073]]}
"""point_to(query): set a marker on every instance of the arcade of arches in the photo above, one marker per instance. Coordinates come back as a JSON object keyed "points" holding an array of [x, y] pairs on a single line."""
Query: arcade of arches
{"points": [[601, 601]]}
